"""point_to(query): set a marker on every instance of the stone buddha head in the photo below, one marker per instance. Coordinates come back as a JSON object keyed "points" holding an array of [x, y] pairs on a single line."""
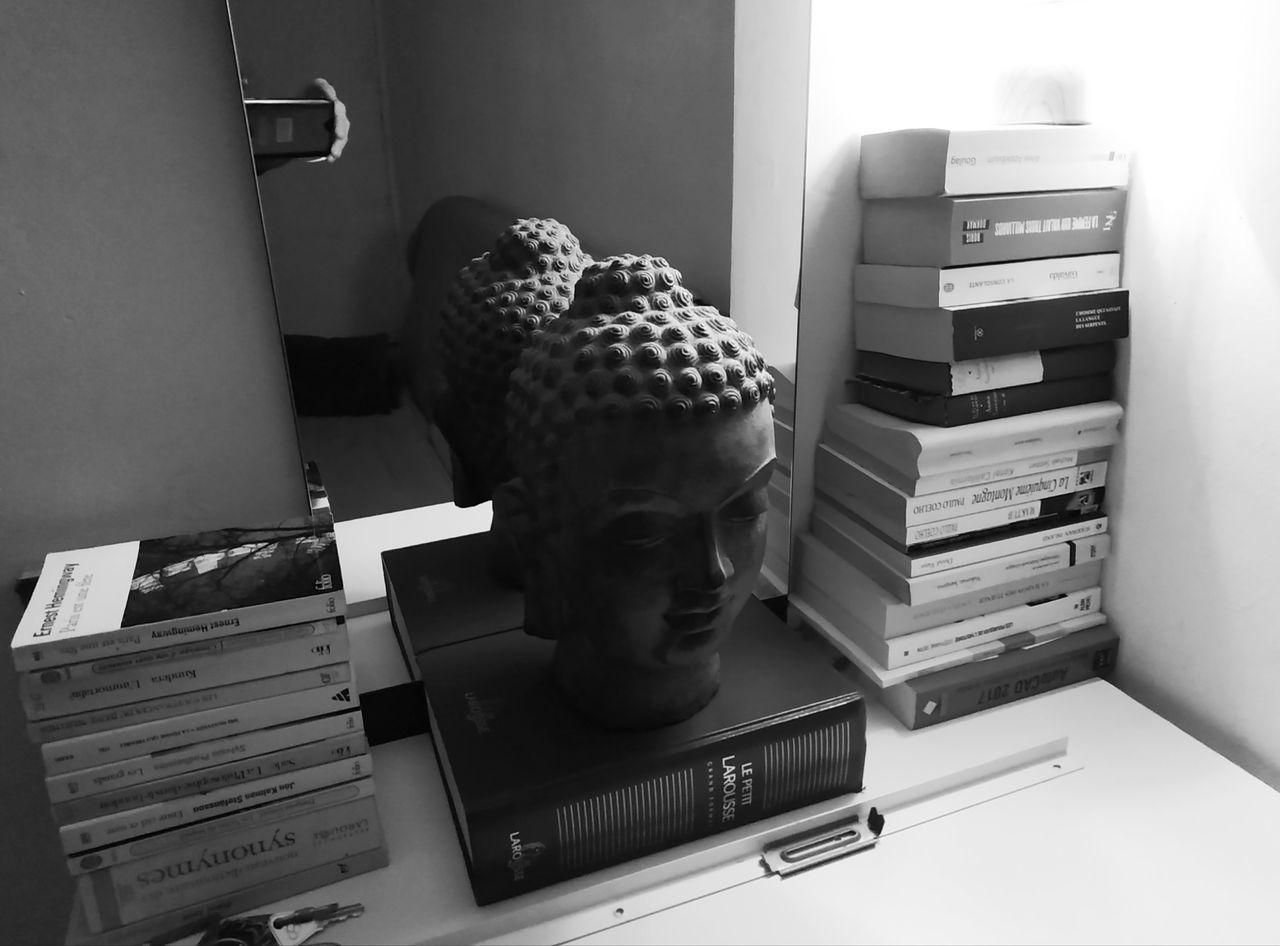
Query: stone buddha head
{"points": [[641, 440], [493, 307]]}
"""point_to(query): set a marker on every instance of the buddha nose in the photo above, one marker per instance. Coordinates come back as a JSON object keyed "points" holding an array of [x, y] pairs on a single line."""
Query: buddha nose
{"points": [[713, 567]]}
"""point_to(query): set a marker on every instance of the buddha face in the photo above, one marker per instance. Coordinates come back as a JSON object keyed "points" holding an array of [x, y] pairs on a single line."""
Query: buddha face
{"points": [[662, 538]]}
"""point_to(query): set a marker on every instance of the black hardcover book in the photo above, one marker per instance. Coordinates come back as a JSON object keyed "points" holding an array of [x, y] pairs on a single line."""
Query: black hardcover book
{"points": [[942, 410], [963, 333], [443, 592], [540, 795], [985, 374]]}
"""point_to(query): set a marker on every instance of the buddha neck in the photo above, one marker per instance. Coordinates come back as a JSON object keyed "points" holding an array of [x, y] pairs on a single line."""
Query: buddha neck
{"points": [[618, 695]]}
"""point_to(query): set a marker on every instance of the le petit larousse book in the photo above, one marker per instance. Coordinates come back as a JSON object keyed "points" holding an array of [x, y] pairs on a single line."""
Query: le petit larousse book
{"points": [[134, 596], [927, 287], [539, 795], [444, 591]]}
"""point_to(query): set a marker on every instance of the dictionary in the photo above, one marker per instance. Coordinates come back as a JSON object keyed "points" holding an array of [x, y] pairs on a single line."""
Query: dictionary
{"points": [[927, 287], [127, 597], [539, 795]]}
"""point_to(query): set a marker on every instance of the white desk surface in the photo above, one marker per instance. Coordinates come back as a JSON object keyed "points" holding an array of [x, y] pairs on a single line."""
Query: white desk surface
{"points": [[1150, 837]]}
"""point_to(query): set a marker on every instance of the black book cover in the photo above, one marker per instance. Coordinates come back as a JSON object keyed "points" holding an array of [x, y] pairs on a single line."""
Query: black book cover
{"points": [[540, 795], [443, 592], [938, 377], [943, 410]]}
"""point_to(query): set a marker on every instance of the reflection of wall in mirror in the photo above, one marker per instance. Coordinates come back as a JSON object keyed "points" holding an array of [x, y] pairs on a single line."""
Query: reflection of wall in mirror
{"points": [[614, 118]]}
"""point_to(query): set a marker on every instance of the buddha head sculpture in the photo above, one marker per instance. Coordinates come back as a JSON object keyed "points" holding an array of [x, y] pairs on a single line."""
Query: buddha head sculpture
{"points": [[493, 307], [641, 439]]}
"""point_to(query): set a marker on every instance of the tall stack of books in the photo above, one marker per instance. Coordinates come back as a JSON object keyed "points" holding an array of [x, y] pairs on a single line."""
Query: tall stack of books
{"points": [[194, 705], [958, 531]]}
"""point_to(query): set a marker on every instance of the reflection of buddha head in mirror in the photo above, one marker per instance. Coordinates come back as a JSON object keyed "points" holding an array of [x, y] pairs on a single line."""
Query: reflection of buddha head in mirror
{"points": [[641, 441], [494, 305]]}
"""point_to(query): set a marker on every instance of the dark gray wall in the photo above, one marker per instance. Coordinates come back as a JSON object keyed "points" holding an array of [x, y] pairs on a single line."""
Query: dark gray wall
{"points": [[141, 372]]}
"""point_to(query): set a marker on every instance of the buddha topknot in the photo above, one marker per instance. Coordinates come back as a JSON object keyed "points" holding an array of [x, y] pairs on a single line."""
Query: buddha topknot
{"points": [[632, 345], [494, 306]]}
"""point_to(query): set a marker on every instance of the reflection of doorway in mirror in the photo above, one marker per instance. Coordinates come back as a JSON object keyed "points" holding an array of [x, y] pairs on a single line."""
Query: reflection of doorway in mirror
{"points": [[337, 262]]}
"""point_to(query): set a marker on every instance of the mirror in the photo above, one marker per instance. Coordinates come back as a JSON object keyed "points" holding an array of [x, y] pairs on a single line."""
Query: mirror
{"points": [[673, 128]]}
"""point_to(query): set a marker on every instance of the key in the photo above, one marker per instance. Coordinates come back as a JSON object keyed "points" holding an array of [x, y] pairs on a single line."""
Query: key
{"points": [[298, 926], [252, 930]]}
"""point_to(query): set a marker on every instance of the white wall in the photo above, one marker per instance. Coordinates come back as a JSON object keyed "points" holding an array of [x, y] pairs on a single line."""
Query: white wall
{"points": [[615, 118], [1195, 89], [141, 369]]}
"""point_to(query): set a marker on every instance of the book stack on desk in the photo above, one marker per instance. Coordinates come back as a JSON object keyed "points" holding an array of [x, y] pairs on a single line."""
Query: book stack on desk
{"points": [[194, 705], [958, 533]]}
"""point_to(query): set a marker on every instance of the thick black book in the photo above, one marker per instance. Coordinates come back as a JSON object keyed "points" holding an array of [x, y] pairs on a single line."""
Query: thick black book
{"points": [[443, 592], [540, 795], [955, 410], [962, 333], [987, 374]]}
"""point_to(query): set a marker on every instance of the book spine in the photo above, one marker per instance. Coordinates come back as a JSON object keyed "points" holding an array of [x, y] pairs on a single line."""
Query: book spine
{"points": [[886, 616], [830, 625], [970, 476], [530, 843], [131, 893], [921, 450], [216, 830], [1009, 159], [119, 826], [979, 333], [174, 925], [77, 688], [903, 536], [215, 626], [906, 574], [950, 694], [925, 287], [970, 231], [939, 585], [858, 489], [958, 410], [158, 735], [963, 635], [129, 714], [146, 768], [289, 759], [988, 374]]}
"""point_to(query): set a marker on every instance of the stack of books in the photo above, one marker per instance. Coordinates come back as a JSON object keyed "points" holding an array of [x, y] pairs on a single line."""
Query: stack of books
{"points": [[958, 532], [194, 705]]}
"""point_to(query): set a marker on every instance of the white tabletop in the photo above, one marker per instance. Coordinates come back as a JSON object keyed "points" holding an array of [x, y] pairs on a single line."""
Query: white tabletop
{"points": [[1071, 816]]}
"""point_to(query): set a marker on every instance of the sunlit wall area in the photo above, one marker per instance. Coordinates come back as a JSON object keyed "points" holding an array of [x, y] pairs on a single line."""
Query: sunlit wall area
{"points": [[1192, 88]]}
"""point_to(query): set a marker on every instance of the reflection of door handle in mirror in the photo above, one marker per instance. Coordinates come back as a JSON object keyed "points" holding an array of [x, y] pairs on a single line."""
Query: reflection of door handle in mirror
{"points": [[290, 128]]}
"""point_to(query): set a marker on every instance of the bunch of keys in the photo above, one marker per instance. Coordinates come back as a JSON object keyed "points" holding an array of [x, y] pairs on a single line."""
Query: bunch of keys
{"points": [[278, 929]]}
